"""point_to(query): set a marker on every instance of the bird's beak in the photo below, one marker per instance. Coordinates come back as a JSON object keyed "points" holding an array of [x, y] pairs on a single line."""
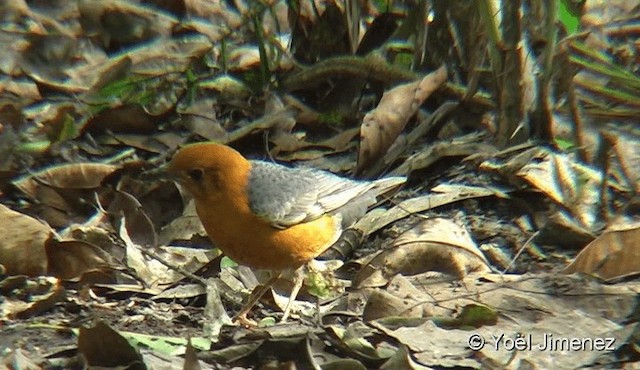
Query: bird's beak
{"points": [[159, 173]]}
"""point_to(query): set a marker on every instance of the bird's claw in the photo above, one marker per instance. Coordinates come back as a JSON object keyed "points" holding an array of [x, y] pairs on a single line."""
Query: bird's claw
{"points": [[242, 320]]}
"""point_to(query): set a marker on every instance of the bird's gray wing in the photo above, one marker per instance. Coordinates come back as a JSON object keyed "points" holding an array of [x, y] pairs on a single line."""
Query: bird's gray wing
{"points": [[286, 196]]}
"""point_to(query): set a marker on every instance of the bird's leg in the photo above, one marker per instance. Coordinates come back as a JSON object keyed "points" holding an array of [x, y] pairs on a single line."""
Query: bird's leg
{"points": [[298, 279], [241, 317]]}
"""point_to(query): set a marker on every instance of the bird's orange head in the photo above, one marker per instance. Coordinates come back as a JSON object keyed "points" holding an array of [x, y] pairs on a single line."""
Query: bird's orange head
{"points": [[210, 171]]}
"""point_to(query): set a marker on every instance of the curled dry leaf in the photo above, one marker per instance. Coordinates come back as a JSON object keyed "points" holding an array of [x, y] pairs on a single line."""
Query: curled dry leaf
{"points": [[66, 176], [472, 144], [22, 247], [381, 126], [403, 359], [435, 244], [139, 227], [281, 134], [185, 227], [438, 196], [148, 269], [75, 258], [63, 194], [571, 183], [612, 255]]}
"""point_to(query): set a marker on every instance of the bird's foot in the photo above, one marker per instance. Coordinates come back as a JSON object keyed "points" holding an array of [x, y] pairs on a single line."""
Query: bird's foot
{"points": [[242, 320]]}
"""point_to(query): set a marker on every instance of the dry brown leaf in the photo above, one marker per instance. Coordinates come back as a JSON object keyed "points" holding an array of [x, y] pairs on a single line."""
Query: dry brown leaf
{"points": [[66, 176], [185, 227], [139, 227], [435, 244], [102, 346], [562, 178], [381, 126], [403, 359], [624, 160], [135, 22], [128, 118], [191, 361], [22, 250], [359, 340], [200, 119], [263, 123], [25, 89], [382, 303], [244, 58], [341, 141], [74, 258], [146, 142], [281, 134], [438, 196], [412, 298], [458, 147], [63, 194], [612, 255], [597, 14], [147, 269]]}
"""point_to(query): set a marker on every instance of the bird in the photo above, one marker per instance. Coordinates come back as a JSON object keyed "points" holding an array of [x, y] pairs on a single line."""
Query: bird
{"points": [[266, 215]]}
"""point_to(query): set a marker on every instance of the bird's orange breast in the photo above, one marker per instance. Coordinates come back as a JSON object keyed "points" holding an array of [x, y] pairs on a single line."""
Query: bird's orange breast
{"points": [[253, 242]]}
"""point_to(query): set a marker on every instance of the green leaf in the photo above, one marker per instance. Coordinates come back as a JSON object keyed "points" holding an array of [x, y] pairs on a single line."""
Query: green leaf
{"points": [[69, 130], [227, 263], [564, 145], [570, 20], [164, 344], [35, 146], [266, 322], [472, 316]]}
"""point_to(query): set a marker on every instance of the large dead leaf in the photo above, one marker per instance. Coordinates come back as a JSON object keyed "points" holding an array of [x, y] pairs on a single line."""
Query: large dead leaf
{"points": [[185, 227], [64, 193], [122, 23], [74, 258], [381, 127], [435, 244], [102, 346], [139, 227], [612, 255], [561, 177], [382, 303], [438, 196], [22, 243], [457, 147], [126, 118], [66, 176]]}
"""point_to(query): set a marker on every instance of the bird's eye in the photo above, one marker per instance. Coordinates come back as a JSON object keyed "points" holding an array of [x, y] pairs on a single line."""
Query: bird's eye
{"points": [[195, 174]]}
